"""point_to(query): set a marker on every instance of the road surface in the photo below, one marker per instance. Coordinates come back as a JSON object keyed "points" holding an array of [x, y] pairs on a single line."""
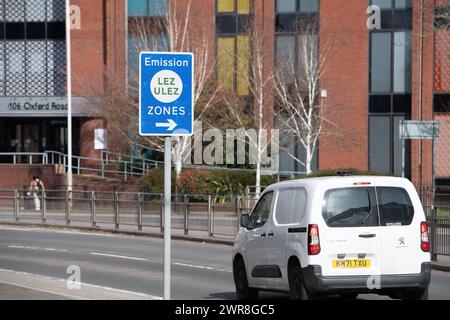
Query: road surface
{"points": [[116, 267]]}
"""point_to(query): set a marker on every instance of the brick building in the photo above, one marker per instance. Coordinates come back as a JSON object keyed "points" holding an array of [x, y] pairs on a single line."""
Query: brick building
{"points": [[33, 104], [376, 77]]}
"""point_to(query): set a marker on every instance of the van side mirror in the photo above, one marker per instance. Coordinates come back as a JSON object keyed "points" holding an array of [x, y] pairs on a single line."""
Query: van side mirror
{"points": [[246, 222]]}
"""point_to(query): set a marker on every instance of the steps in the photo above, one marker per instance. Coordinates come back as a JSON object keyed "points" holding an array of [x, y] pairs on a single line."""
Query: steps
{"points": [[18, 176]]}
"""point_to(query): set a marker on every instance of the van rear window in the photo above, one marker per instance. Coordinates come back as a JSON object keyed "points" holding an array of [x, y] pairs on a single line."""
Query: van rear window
{"points": [[395, 206], [350, 207], [357, 207]]}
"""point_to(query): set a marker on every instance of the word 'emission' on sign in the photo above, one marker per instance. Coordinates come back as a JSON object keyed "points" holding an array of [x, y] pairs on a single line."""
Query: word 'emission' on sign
{"points": [[166, 93]]}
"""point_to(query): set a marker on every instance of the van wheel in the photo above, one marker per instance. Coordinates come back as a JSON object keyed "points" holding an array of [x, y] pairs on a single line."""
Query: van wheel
{"points": [[244, 292], [348, 296], [297, 287], [420, 294]]}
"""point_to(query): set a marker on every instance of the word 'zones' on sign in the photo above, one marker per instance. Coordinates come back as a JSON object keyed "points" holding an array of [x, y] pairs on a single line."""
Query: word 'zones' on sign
{"points": [[166, 94]]}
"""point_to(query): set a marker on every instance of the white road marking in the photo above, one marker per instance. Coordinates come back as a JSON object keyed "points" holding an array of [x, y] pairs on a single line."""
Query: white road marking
{"points": [[199, 267], [117, 256], [36, 248], [16, 228]]}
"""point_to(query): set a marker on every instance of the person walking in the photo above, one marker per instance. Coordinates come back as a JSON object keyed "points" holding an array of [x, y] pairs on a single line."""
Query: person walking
{"points": [[37, 188]]}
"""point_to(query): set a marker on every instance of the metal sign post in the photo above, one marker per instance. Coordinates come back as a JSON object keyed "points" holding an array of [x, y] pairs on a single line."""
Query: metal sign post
{"points": [[166, 94], [167, 214]]}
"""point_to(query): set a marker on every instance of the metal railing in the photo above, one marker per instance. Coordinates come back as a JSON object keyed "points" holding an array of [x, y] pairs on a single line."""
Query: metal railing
{"points": [[437, 210], [210, 215], [203, 214], [115, 164]]}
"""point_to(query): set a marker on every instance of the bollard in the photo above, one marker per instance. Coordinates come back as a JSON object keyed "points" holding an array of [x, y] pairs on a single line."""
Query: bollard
{"points": [[433, 234], [210, 216], [16, 205], [93, 210], [68, 205], [161, 221], [238, 212], [116, 209], [140, 212], [44, 208], [186, 213]]}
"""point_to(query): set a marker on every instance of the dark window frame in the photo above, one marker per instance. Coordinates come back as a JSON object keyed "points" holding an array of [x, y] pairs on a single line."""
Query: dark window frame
{"points": [[392, 112]]}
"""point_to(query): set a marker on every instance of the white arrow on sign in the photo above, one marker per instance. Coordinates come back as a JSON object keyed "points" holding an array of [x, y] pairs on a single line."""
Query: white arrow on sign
{"points": [[170, 125]]}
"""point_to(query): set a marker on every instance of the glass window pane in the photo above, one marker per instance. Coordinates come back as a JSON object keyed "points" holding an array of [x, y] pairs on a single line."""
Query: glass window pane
{"points": [[380, 62], [285, 56], [403, 4], [243, 65], [379, 144], [402, 103], [309, 5], [56, 10], [284, 206], [398, 150], [262, 210], [403, 19], [402, 62], [137, 8], [286, 5], [35, 10], [225, 6], [395, 206], [307, 58], [35, 30], [380, 103], [157, 7], [298, 212], [349, 207], [226, 58], [383, 4], [243, 6], [15, 11], [286, 22], [226, 24]]}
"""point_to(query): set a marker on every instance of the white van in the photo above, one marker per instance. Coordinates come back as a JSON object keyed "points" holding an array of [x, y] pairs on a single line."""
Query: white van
{"points": [[335, 235]]}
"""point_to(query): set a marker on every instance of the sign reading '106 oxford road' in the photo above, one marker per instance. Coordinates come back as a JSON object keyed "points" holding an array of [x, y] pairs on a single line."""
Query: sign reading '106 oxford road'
{"points": [[166, 94]]}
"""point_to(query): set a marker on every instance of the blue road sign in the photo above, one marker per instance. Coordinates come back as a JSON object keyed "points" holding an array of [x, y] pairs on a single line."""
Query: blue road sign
{"points": [[166, 92]]}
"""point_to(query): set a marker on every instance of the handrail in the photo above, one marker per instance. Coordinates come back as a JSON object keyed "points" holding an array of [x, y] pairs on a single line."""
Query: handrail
{"points": [[127, 167]]}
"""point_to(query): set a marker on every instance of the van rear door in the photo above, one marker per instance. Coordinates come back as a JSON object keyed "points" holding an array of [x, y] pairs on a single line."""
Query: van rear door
{"points": [[350, 238], [400, 231]]}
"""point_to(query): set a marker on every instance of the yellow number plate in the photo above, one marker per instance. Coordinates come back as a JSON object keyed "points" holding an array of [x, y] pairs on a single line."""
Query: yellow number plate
{"points": [[351, 263]]}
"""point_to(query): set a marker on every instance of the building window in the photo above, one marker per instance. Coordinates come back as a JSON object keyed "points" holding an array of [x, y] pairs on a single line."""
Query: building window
{"points": [[390, 85], [32, 48], [147, 8], [395, 14], [297, 30], [292, 15], [233, 19], [145, 33]]}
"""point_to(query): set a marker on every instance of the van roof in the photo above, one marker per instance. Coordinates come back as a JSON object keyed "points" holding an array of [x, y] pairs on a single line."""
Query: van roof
{"points": [[312, 182]]}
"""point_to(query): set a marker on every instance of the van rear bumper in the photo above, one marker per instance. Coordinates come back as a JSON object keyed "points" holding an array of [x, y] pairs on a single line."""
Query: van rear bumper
{"points": [[317, 283]]}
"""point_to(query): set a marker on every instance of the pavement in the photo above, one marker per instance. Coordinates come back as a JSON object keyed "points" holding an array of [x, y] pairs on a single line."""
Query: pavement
{"points": [[37, 263]]}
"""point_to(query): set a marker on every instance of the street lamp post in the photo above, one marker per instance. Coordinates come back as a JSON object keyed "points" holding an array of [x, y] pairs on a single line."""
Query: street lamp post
{"points": [[69, 100]]}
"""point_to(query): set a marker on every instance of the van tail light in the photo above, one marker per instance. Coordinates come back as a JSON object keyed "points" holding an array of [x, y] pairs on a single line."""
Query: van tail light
{"points": [[424, 238], [313, 240]]}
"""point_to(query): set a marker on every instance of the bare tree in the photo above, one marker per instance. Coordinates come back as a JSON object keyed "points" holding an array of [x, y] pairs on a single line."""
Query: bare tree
{"points": [[259, 80], [299, 109], [169, 32]]}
